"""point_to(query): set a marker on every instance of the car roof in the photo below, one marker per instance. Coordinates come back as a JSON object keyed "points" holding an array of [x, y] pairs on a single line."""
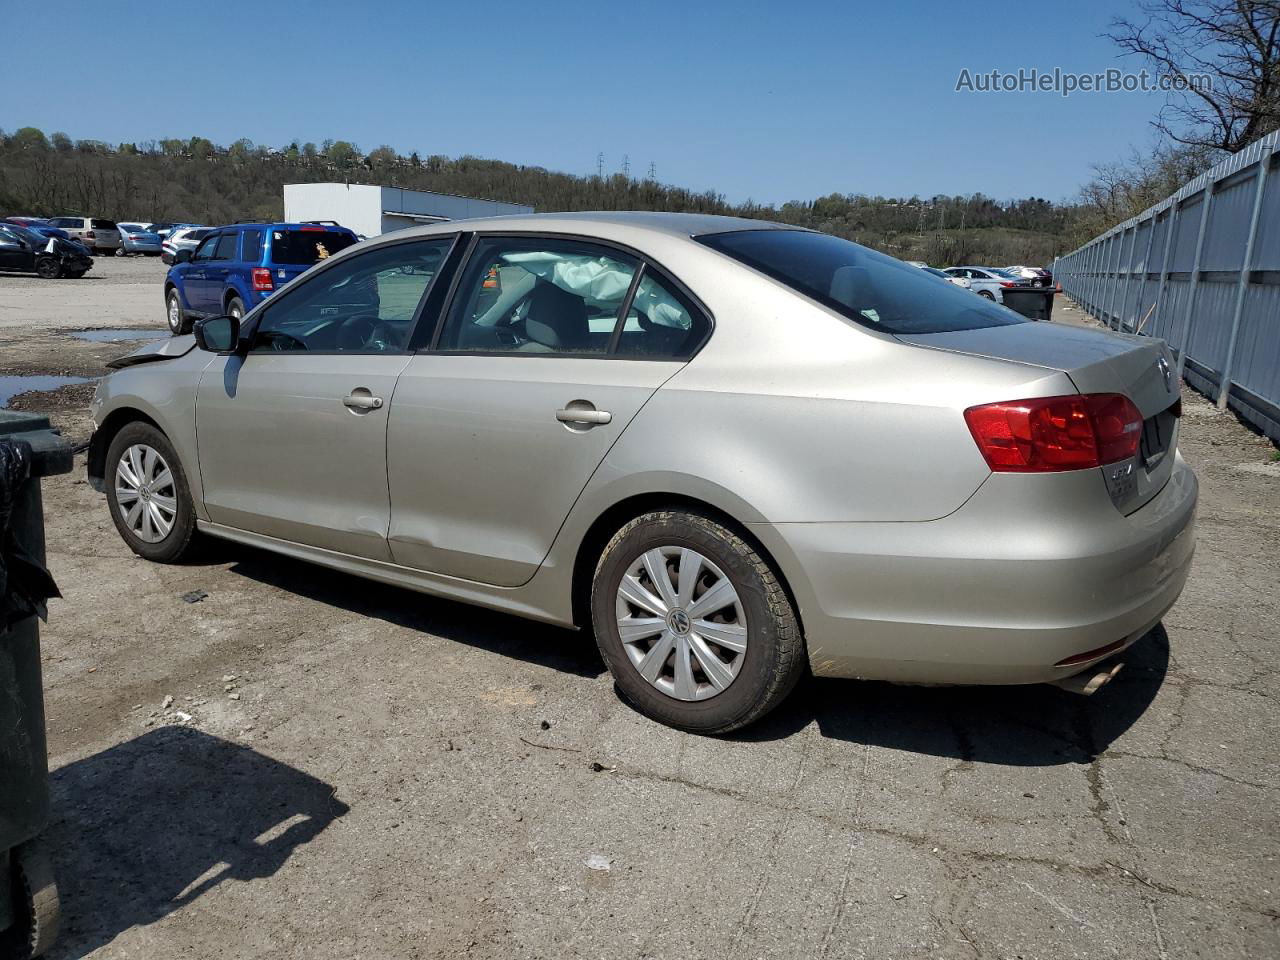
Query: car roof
{"points": [[615, 222]]}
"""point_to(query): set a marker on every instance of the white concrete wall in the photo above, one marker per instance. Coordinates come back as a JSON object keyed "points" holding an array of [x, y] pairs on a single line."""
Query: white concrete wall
{"points": [[357, 206]]}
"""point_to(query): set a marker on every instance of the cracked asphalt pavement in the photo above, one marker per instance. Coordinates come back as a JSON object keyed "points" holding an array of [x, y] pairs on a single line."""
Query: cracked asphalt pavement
{"points": [[349, 770]]}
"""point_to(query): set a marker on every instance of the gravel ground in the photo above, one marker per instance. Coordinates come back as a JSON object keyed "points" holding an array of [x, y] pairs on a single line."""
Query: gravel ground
{"points": [[348, 770]]}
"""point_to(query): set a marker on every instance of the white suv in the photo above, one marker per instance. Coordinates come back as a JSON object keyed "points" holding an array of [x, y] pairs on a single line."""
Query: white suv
{"points": [[100, 236]]}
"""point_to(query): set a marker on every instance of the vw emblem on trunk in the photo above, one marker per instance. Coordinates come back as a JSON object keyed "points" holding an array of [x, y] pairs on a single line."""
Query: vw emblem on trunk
{"points": [[1163, 366]]}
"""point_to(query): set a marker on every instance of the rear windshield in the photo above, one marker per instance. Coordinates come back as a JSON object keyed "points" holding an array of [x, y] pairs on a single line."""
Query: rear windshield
{"points": [[870, 288], [133, 227], [102, 224], [307, 246]]}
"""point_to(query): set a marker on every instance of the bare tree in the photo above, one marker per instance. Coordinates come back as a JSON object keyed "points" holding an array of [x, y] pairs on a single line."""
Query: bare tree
{"points": [[1235, 42]]}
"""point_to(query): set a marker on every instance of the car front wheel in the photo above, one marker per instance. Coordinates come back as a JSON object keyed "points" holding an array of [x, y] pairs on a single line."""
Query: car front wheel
{"points": [[178, 322], [148, 494], [694, 624], [47, 268]]}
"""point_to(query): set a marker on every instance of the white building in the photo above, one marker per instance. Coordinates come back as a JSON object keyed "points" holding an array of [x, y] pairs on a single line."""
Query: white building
{"points": [[370, 210]]}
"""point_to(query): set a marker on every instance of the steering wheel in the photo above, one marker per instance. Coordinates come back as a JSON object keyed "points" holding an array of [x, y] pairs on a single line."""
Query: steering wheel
{"points": [[283, 342], [365, 332]]}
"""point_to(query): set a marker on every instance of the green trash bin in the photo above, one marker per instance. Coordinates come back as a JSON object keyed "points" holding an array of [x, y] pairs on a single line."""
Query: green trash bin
{"points": [[29, 450]]}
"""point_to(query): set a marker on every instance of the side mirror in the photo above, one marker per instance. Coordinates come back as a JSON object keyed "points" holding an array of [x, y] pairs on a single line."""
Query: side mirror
{"points": [[182, 256], [217, 334]]}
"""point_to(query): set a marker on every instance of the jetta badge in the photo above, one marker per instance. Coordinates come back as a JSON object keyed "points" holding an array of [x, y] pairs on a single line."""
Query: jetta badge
{"points": [[1163, 366]]}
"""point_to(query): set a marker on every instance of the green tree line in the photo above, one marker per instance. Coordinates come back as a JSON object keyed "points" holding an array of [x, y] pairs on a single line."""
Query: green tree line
{"points": [[197, 180]]}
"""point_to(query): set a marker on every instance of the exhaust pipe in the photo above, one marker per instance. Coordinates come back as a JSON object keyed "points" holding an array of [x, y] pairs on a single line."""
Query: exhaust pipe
{"points": [[1089, 681]]}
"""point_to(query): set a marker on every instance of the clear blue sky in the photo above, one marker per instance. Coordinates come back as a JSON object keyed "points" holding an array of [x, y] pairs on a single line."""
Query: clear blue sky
{"points": [[774, 101]]}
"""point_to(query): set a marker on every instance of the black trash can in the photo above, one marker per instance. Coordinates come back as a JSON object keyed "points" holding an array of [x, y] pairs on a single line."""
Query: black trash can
{"points": [[29, 450], [1035, 303]]}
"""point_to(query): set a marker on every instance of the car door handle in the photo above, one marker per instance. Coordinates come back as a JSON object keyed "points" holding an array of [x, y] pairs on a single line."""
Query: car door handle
{"points": [[362, 401], [583, 415]]}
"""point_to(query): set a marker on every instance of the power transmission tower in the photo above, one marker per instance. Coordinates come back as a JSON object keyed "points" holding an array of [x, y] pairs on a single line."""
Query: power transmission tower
{"points": [[653, 171], [626, 165], [600, 164]]}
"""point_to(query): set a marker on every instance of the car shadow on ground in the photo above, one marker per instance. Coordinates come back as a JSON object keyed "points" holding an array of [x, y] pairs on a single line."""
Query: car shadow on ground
{"points": [[145, 827], [570, 651], [1035, 725]]}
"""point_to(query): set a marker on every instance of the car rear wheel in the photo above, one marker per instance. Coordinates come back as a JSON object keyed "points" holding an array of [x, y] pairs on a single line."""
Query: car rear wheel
{"points": [[47, 268], [177, 317], [148, 494], [986, 293], [694, 624], [120, 252], [235, 308]]}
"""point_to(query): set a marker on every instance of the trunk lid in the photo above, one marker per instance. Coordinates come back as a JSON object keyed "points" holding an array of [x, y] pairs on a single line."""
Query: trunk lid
{"points": [[1141, 368]]}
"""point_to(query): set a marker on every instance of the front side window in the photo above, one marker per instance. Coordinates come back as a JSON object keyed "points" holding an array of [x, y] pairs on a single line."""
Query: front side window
{"points": [[206, 248], [872, 289], [226, 247], [531, 295], [366, 304]]}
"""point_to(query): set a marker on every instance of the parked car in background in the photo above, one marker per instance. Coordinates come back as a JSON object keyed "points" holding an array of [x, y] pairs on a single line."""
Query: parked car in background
{"points": [[942, 275], [47, 231], [763, 440], [237, 267], [25, 251], [181, 238], [165, 227], [136, 238], [1036, 276], [101, 236], [985, 281], [25, 221]]}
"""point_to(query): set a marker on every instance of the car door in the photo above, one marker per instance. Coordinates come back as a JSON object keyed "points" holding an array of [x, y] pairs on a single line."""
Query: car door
{"points": [[14, 253], [193, 274], [292, 433], [216, 271], [495, 433]]}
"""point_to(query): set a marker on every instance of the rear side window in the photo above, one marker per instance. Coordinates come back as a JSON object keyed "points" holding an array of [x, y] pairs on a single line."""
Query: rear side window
{"points": [[869, 288], [306, 247], [102, 224], [251, 246], [660, 324]]}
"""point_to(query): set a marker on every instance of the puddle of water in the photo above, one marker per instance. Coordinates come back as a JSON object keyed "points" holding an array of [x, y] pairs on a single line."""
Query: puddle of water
{"points": [[118, 336], [10, 387]]}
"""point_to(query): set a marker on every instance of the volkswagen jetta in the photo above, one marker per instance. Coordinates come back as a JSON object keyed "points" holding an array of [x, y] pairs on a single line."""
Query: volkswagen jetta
{"points": [[734, 449]]}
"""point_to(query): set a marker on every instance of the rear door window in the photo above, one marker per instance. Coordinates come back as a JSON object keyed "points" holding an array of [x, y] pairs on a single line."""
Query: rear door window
{"points": [[872, 289], [660, 323], [306, 246]]}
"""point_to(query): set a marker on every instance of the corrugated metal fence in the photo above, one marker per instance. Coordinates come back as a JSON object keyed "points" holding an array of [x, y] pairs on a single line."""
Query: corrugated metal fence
{"points": [[1200, 269]]}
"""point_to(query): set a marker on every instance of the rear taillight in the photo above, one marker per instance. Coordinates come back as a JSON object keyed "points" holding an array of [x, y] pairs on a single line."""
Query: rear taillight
{"points": [[262, 279], [88, 234], [1007, 283], [1047, 434]]}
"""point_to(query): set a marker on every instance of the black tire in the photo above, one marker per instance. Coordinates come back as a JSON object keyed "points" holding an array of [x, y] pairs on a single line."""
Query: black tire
{"points": [[174, 315], [121, 252], [181, 541], [47, 268], [235, 308], [35, 895], [774, 659], [986, 293], [74, 274]]}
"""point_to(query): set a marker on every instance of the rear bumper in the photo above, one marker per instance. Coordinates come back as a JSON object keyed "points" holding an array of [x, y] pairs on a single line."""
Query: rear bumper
{"points": [[1031, 571]]}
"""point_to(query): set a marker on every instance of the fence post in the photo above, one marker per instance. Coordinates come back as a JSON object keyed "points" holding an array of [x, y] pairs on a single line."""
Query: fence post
{"points": [[1170, 229], [1242, 288], [1121, 291], [1195, 277], [1146, 268]]}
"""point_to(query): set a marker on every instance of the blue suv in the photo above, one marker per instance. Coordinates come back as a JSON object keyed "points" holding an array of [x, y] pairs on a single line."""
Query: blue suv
{"points": [[237, 267]]}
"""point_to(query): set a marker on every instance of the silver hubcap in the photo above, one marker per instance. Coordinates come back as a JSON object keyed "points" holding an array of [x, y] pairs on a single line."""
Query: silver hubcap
{"points": [[145, 493], [681, 623], [173, 313]]}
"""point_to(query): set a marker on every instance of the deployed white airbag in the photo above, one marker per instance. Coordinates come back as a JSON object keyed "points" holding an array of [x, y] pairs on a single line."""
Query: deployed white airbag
{"points": [[603, 282]]}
